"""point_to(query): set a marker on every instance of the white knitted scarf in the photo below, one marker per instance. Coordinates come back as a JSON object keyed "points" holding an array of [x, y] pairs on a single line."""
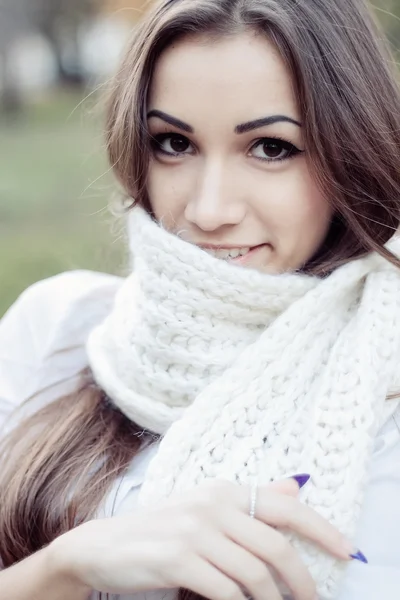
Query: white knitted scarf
{"points": [[243, 371]]}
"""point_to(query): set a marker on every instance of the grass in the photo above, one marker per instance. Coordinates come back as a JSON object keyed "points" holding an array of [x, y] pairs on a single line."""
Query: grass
{"points": [[54, 191]]}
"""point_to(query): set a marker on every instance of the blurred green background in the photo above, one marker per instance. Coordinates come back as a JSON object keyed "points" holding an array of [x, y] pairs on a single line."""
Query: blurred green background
{"points": [[55, 183], [55, 186], [54, 192]]}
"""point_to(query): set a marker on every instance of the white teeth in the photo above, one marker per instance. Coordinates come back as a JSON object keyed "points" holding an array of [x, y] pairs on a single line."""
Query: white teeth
{"points": [[234, 253], [229, 254]]}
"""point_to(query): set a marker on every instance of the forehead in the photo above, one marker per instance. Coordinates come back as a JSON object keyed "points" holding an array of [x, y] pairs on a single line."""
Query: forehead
{"points": [[240, 74]]}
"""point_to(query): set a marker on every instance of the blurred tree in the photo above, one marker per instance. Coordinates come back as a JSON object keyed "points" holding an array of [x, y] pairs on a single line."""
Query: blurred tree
{"points": [[59, 22], [14, 22]]}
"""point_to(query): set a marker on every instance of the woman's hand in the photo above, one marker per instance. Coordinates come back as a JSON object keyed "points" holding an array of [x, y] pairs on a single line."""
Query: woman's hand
{"points": [[204, 541]]}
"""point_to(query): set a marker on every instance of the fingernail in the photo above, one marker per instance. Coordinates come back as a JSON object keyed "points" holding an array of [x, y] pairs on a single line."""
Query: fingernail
{"points": [[359, 556], [302, 479]]}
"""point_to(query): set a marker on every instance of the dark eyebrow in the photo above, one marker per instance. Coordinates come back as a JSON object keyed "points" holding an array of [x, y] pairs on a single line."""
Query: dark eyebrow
{"points": [[245, 127], [171, 120]]}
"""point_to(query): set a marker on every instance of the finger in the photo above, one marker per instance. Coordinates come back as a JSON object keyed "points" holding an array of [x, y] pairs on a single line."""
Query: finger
{"points": [[272, 548], [289, 513], [285, 486], [285, 512], [201, 577], [241, 565]]}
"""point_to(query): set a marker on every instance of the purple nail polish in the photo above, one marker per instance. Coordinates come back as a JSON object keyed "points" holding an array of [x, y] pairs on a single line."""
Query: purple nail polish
{"points": [[359, 556], [302, 479]]}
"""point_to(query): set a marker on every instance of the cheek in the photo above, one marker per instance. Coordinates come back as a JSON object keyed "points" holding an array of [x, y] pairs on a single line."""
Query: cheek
{"points": [[168, 189], [296, 206], [314, 213]]}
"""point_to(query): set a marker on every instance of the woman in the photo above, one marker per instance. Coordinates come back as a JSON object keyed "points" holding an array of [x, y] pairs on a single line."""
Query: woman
{"points": [[172, 417]]}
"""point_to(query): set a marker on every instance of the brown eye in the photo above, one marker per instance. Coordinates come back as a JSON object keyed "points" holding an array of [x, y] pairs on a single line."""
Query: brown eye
{"points": [[179, 144], [171, 144], [274, 150]]}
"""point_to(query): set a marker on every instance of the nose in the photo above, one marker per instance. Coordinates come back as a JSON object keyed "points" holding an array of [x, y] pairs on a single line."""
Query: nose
{"points": [[214, 203]]}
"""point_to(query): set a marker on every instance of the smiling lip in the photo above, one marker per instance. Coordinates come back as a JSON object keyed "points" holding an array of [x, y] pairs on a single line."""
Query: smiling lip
{"points": [[242, 259], [228, 247]]}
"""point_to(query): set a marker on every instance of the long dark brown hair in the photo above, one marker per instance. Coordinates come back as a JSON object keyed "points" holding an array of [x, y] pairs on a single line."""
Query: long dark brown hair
{"points": [[346, 85]]}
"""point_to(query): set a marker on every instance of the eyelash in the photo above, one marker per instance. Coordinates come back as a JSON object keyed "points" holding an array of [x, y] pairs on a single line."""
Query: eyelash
{"points": [[292, 150]]}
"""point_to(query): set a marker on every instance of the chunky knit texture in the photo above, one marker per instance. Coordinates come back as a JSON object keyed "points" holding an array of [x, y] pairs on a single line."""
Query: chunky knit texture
{"points": [[244, 373]]}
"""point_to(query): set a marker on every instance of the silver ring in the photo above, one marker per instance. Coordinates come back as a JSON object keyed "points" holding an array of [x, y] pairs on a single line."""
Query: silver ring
{"points": [[253, 497]]}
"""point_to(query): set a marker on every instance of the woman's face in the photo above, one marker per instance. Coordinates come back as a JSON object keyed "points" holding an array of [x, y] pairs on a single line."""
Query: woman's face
{"points": [[218, 176]]}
